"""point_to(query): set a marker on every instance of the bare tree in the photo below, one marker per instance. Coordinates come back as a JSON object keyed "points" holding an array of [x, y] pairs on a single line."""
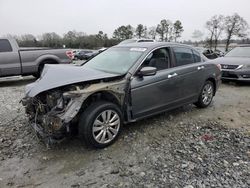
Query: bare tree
{"points": [[141, 31], [215, 26], [218, 28], [235, 25]]}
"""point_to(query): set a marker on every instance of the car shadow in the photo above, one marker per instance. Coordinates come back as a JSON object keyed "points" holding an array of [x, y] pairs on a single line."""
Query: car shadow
{"points": [[236, 83], [75, 145], [16, 81]]}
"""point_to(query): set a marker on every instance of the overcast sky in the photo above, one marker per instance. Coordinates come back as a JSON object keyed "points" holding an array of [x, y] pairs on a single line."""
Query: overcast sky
{"points": [[90, 16]]}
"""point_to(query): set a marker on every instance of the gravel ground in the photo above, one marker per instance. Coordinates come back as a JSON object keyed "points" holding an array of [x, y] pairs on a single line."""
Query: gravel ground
{"points": [[187, 147]]}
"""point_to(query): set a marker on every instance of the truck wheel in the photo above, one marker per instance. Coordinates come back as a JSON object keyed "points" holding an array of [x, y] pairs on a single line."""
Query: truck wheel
{"points": [[100, 124], [39, 72], [206, 95]]}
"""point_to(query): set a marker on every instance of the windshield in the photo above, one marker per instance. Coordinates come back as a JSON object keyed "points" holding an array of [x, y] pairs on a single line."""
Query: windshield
{"points": [[239, 52], [115, 60]]}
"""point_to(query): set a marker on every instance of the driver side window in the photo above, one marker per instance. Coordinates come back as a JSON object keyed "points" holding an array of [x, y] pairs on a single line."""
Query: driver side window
{"points": [[158, 59]]}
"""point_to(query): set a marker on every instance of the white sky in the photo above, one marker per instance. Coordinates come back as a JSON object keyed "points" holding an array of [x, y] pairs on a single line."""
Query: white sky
{"points": [[90, 16]]}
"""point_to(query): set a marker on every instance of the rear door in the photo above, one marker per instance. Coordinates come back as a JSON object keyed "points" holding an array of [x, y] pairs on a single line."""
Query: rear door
{"points": [[190, 69], [9, 59]]}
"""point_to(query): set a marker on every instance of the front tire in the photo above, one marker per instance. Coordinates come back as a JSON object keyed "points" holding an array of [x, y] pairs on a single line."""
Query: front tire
{"points": [[206, 95], [100, 124]]}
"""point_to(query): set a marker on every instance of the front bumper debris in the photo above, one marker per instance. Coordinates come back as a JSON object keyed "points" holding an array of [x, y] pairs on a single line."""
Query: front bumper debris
{"points": [[46, 138]]}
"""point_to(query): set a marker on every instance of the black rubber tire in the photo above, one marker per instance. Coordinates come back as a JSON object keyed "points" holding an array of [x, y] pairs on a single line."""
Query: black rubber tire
{"points": [[200, 103], [88, 117], [39, 72]]}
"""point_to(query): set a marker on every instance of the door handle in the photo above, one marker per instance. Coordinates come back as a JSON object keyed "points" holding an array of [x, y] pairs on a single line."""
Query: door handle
{"points": [[200, 67], [172, 75]]}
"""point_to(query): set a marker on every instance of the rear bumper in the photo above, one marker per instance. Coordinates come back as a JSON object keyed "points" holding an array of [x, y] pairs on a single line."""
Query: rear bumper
{"points": [[236, 75]]}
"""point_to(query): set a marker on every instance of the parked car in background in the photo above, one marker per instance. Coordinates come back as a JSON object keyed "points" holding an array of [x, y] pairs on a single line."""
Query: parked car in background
{"points": [[90, 54], [210, 54], [236, 64], [81, 54], [87, 54], [28, 61], [219, 53], [123, 84], [136, 40], [74, 53]]}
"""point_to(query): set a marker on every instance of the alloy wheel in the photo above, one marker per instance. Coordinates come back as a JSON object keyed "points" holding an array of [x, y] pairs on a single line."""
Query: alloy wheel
{"points": [[207, 94], [106, 126]]}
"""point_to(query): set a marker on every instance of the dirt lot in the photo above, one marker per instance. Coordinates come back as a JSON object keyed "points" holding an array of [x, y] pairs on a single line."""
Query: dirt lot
{"points": [[187, 147]]}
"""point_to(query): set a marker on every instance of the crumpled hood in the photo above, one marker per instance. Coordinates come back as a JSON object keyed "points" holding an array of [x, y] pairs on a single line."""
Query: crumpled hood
{"points": [[232, 61], [59, 75]]}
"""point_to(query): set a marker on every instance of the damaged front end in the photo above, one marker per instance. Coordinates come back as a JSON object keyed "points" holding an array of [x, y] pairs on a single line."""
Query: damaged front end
{"points": [[44, 112], [53, 113]]}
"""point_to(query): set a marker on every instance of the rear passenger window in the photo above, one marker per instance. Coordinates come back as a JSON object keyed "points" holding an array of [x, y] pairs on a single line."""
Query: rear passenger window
{"points": [[197, 56], [183, 56], [5, 45]]}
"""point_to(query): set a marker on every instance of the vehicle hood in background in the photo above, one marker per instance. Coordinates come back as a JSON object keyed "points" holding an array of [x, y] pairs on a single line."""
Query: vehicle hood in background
{"points": [[232, 60], [59, 75]]}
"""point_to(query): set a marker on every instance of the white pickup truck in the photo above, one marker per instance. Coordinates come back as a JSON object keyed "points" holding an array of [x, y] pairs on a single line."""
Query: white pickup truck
{"points": [[28, 61]]}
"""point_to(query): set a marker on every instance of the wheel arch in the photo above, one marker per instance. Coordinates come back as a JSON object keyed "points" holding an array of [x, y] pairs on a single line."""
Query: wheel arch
{"points": [[108, 96], [211, 79], [47, 59]]}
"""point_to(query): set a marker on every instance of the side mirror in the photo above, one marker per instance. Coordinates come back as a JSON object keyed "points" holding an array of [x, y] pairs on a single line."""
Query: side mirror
{"points": [[147, 71]]}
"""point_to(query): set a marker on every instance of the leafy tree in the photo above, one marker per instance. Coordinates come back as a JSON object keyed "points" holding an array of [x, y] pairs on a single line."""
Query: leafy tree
{"points": [[152, 32], [141, 31], [235, 25], [123, 32], [51, 40], [70, 38], [27, 40], [177, 30], [163, 29]]}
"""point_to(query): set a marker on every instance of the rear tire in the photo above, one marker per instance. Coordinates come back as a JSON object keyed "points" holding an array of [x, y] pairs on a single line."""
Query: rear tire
{"points": [[206, 95], [39, 72], [100, 124]]}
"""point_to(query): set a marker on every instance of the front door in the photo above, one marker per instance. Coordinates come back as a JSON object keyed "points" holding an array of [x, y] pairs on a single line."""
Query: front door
{"points": [[151, 94]]}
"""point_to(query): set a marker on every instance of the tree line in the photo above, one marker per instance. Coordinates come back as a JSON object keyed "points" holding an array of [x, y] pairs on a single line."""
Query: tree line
{"points": [[220, 29], [166, 30], [224, 29]]}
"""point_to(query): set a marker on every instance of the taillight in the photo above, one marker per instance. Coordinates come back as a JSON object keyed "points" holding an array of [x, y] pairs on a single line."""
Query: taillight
{"points": [[70, 55], [219, 66]]}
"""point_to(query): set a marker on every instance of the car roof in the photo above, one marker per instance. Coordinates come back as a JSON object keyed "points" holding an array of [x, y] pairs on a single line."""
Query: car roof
{"points": [[151, 45]]}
